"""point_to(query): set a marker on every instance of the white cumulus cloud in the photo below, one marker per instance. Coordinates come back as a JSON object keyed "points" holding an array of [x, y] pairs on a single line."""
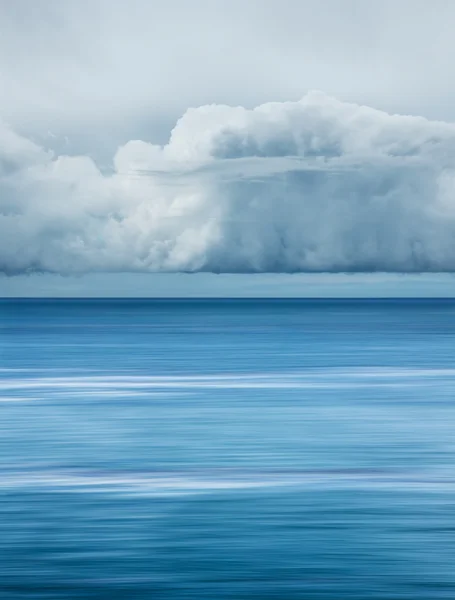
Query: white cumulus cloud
{"points": [[316, 185]]}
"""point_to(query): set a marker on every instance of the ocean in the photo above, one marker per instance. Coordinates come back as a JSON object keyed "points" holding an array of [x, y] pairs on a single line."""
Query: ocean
{"points": [[227, 449]]}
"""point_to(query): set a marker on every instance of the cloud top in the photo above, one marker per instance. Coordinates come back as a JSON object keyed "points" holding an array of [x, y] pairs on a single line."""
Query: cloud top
{"points": [[316, 185]]}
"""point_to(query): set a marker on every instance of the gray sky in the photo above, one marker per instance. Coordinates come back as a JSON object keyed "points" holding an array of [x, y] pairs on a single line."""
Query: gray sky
{"points": [[85, 76], [117, 69], [166, 285]]}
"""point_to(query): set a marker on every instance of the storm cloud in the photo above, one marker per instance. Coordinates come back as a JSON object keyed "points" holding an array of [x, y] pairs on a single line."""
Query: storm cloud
{"points": [[316, 185]]}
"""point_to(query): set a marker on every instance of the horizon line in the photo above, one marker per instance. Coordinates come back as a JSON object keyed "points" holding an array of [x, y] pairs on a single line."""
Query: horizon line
{"points": [[211, 298]]}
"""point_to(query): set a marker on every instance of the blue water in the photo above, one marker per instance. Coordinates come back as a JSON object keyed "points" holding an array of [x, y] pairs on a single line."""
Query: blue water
{"points": [[227, 449]]}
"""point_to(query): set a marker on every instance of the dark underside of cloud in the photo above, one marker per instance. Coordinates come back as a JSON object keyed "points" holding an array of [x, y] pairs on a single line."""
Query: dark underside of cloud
{"points": [[311, 186]]}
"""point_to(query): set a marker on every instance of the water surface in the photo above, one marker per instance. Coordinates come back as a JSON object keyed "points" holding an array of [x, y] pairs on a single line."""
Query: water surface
{"points": [[221, 449]]}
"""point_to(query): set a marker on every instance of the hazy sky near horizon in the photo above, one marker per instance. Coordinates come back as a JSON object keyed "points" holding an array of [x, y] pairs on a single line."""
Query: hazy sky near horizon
{"points": [[368, 191]]}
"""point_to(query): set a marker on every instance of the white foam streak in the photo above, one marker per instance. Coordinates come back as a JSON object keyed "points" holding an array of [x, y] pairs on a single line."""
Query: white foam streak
{"points": [[121, 385], [187, 484]]}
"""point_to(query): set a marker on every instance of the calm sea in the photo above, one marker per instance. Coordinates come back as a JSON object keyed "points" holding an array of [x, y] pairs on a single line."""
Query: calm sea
{"points": [[227, 449]]}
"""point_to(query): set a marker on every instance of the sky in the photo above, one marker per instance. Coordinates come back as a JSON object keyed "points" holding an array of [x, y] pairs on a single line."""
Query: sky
{"points": [[227, 148]]}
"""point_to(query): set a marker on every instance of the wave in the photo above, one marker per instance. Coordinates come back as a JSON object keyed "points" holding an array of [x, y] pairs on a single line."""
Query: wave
{"points": [[165, 483], [326, 378]]}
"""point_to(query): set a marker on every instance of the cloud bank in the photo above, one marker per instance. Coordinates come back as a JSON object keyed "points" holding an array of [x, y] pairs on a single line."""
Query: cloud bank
{"points": [[316, 185]]}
